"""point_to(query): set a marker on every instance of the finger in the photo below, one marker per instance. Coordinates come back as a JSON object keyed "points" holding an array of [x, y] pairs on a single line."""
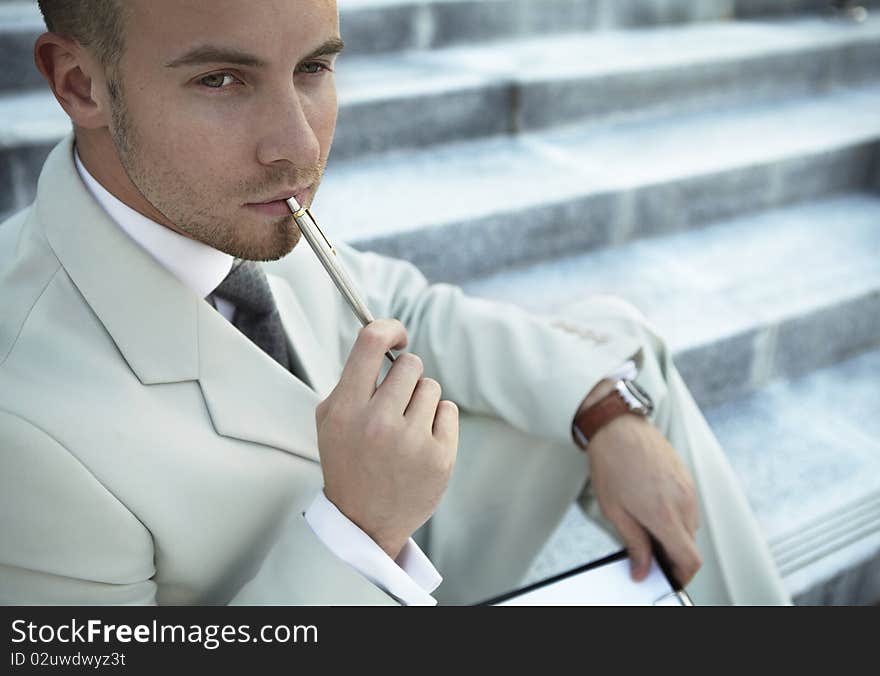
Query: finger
{"points": [[446, 423], [681, 553], [692, 510], [362, 367], [675, 515], [692, 516], [637, 541], [685, 501], [423, 405], [397, 389]]}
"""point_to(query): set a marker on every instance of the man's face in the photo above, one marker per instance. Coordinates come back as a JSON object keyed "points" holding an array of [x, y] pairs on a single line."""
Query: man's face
{"points": [[224, 108]]}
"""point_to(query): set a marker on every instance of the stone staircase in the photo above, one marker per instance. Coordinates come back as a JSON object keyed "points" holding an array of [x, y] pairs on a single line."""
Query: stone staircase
{"points": [[715, 162]]}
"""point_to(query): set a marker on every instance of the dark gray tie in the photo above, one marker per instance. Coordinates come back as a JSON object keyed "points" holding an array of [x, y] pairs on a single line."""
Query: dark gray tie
{"points": [[256, 315]]}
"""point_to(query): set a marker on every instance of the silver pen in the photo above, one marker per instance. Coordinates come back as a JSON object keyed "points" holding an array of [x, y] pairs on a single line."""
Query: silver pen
{"points": [[327, 255]]}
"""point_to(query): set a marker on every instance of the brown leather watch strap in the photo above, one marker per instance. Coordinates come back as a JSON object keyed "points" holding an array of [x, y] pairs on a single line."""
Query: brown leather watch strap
{"points": [[600, 414]]}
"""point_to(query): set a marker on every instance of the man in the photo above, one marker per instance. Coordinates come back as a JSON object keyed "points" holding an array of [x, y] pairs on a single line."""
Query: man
{"points": [[163, 401]]}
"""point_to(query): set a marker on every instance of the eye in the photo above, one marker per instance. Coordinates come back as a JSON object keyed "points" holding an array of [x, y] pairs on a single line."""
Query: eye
{"points": [[218, 80], [313, 67]]}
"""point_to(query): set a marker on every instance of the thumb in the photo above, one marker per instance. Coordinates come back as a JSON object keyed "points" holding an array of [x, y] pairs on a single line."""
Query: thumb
{"points": [[638, 545]]}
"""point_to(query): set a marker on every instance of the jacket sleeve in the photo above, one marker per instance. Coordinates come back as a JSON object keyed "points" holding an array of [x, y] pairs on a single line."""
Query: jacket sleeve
{"points": [[300, 570], [66, 540], [492, 358]]}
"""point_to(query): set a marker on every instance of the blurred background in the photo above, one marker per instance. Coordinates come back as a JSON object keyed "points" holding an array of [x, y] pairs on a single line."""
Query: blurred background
{"points": [[715, 162]]}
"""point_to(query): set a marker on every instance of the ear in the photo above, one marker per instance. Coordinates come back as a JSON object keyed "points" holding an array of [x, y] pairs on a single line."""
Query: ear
{"points": [[74, 76]]}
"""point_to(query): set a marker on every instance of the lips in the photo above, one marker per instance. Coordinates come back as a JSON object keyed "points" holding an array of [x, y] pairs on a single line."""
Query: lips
{"points": [[298, 193], [277, 205]]}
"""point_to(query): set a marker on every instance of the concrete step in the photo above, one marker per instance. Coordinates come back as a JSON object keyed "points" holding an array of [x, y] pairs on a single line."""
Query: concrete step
{"points": [[499, 202], [20, 24], [813, 475], [30, 124], [415, 99], [807, 453], [766, 7], [540, 195], [741, 302], [372, 26]]}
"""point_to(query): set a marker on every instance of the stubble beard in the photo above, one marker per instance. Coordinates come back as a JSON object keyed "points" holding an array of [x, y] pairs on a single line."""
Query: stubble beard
{"points": [[172, 197]]}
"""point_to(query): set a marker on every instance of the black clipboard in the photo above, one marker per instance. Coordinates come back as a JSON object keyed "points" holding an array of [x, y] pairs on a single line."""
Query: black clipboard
{"points": [[676, 595]]}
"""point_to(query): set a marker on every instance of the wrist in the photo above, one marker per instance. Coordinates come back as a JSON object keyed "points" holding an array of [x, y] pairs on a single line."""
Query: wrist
{"points": [[616, 427], [392, 546], [390, 542]]}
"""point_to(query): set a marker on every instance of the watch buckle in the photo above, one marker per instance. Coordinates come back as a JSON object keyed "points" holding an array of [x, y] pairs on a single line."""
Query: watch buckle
{"points": [[635, 397]]}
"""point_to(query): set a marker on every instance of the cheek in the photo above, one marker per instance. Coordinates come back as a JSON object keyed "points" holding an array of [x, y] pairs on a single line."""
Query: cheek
{"points": [[321, 113], [192, 140], [172, 118]]}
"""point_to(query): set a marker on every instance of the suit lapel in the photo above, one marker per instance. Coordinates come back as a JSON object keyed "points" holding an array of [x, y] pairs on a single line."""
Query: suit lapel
{"points": [[165, 332], [249, 395], [314, 358]]}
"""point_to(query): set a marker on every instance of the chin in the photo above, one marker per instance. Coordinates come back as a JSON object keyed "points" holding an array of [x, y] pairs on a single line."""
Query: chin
{"points": [[276, 241], [252, 239]]}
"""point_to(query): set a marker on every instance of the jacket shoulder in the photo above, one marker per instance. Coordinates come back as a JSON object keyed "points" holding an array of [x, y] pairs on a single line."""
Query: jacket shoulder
{"points": [[27, 266], [10, 231]]}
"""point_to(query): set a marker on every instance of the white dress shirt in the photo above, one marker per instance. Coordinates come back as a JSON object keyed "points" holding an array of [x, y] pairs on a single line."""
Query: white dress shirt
{"points": [[411, 577]]}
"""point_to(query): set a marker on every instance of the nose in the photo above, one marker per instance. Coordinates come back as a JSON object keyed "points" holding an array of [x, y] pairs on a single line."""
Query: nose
{"points": [[289, 136]]}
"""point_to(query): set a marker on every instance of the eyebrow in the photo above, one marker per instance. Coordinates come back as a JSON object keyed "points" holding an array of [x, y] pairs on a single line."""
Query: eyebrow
{"points": [[214, 54]]}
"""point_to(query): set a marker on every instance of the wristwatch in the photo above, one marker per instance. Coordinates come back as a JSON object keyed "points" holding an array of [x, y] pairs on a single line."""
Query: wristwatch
{"points": [[626, 397]]}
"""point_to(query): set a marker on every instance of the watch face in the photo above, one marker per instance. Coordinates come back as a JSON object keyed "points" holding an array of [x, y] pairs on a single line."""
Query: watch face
{"points": [[642, 398]]}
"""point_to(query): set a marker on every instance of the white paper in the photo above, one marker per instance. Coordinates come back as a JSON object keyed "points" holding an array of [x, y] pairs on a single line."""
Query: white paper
{"points": [[608, 585]]}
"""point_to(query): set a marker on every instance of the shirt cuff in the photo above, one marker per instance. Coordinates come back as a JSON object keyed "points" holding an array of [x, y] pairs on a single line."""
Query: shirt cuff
{"points": [[410, 578], [626, 371]]}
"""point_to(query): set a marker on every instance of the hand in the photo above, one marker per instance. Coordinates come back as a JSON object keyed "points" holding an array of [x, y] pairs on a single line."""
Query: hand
{"points": [[644, 490], [387, 453]]}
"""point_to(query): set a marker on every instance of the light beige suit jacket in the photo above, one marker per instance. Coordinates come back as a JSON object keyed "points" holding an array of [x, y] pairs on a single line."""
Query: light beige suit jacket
{"points": [[150, 453]]}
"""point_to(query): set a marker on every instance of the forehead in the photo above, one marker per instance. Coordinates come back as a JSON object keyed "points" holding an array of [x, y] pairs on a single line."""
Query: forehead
{"points": [[273, 29]]}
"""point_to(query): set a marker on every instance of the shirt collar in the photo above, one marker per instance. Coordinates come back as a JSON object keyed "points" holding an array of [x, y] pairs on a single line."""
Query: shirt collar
{"points": [[197, 265]]}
